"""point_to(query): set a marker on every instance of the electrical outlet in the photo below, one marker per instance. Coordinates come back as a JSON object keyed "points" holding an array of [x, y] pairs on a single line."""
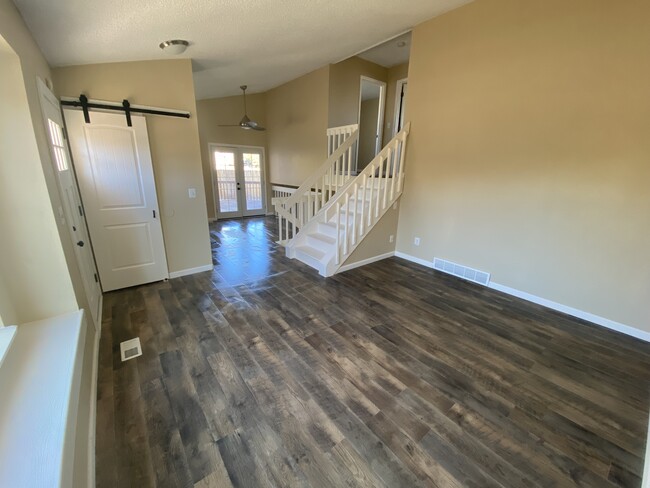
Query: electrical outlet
{"points": [[416, 241], [391, 238], [191, 192]]}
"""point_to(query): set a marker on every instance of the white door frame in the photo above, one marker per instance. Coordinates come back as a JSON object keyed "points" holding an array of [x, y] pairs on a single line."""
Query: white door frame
{"points": [[380, 115], [76, 225], [213, 178], [398, 99]]}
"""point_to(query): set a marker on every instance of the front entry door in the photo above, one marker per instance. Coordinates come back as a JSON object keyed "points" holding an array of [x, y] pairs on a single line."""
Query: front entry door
{"points": [[72, 209], [238, 181], [115, 172]]}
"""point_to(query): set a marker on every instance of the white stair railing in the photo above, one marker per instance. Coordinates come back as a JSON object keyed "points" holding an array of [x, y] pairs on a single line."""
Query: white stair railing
{"points": [[337, 135], [357, 208], [336, 172]]}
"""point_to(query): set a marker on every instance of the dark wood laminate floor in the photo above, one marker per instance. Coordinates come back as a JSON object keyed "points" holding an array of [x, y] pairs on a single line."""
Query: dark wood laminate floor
{"points": [[262, 373]]}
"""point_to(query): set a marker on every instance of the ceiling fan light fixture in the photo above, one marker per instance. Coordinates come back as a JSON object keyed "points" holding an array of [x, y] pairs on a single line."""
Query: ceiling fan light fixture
{"points": [[174, 47], [245, 123]]}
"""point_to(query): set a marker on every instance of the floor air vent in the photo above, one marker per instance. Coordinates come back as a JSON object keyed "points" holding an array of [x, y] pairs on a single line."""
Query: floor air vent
{"points": [[130, 349], [464, 272]]}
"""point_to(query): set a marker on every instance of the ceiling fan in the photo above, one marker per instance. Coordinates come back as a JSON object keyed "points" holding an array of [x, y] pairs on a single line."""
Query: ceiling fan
{"points": [[245, 122]]}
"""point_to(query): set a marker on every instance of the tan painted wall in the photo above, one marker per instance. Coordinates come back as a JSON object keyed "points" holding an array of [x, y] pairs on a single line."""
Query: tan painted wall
{"points": [[33, 65], [35, 281], [213, 112], [344, 87], [174, 143], [37, 284], [6, 307], [296, 115], [529, 148], [377, 242], [367, 131], [395, 74]]}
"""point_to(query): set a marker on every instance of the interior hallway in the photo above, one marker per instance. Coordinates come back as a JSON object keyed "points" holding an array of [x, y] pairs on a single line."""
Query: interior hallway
{"points": [[262, 373]]}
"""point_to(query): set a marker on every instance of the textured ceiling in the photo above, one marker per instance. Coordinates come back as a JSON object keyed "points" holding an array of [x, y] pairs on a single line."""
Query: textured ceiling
{"points": [[390, 53], [262, 43]]}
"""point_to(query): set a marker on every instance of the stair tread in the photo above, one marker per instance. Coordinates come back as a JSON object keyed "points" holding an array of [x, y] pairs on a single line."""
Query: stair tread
{"points": [[322, 237]]}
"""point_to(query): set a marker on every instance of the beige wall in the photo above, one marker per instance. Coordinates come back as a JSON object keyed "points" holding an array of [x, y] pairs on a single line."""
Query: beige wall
{"points": [[36, 281], [528, 155], [296, 115], [213, 112], [377, 242], [344, 88], [395, 74], [33, 65], [174, 143]]}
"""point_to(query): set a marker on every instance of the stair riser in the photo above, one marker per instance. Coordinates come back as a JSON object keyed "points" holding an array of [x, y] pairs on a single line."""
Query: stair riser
{"points": [[309, 260], [318, 244], [327, 230]]}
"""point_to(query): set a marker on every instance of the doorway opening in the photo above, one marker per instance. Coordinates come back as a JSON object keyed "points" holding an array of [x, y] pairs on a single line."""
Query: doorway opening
{"points": [[400, 104], [238, 180], [372, 97]]}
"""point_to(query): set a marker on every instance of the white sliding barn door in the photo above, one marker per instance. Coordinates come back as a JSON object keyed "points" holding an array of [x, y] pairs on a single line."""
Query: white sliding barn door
{"points": [[115, 174], [71, 202]]}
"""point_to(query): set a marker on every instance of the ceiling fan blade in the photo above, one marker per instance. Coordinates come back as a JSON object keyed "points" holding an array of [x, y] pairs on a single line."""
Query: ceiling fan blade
{"points": [[228, 125]]}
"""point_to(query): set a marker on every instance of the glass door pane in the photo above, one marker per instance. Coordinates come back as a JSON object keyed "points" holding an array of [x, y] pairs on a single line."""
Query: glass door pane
{"points": [[252, 174], [226, 182]]}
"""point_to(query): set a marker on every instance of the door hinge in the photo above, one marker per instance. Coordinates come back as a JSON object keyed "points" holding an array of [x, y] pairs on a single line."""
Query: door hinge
{"points": [[96, 279], [64, 131], [81, 212], [154, 214]]}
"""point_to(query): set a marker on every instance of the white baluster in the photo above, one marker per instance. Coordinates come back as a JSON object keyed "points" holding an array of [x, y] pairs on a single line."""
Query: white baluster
{"points": [[392, 157], [354, 215], [347, 221], [363, 202], [338, 232], [371, 181]]}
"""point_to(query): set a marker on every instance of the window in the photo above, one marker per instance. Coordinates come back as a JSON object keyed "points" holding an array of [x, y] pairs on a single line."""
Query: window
{"points": [[56, 136]]}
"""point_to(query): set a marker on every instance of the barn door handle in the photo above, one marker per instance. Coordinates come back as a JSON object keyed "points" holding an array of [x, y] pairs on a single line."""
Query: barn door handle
{"points": [[80, 243]]}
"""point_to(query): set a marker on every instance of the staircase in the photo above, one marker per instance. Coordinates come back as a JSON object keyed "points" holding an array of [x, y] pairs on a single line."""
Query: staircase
{"points": [[324, 221]]}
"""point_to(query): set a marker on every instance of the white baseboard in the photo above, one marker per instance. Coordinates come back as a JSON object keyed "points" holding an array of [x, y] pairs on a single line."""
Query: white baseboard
{"points": [[363, 262], [92, 434], [189, 271], [413, 259], [589, 317]]}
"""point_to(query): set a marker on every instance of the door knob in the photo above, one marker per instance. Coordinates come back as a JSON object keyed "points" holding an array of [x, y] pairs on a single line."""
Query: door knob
{"points": [[80, 243]]}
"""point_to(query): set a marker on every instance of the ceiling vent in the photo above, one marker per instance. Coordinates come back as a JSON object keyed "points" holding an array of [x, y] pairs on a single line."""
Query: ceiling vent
{"points": [[470, 274]]}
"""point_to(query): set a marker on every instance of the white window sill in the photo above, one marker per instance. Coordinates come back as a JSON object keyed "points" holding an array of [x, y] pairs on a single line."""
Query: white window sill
{"points": [[39, 397]]}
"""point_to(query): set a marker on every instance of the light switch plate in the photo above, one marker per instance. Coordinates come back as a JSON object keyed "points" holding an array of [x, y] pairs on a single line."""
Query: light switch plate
{"points": [[191, 192]]}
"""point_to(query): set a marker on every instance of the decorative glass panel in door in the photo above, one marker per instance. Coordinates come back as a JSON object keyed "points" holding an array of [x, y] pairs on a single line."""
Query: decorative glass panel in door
{"points": [[225, 173], [238, 181]]}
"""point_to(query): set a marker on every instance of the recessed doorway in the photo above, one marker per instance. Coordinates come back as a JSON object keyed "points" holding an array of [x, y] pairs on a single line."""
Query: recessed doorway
{"points": [[372, 96]]}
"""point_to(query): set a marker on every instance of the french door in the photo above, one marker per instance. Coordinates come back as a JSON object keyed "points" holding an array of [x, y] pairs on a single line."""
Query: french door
{"points": [[238, 181]]}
